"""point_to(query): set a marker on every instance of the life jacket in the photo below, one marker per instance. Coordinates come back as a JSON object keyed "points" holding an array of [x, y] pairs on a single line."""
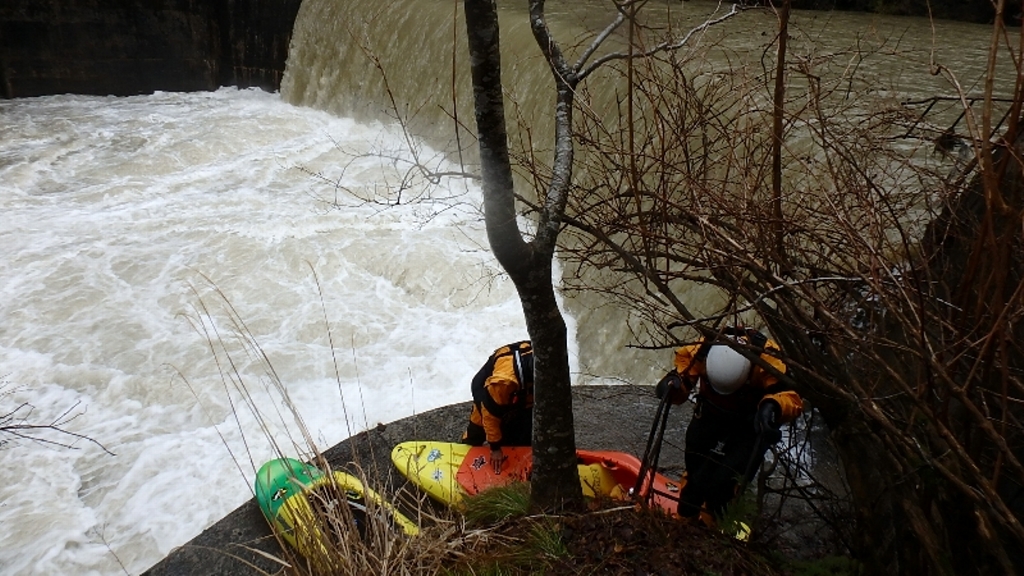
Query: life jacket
{"points": [[522, 365]]}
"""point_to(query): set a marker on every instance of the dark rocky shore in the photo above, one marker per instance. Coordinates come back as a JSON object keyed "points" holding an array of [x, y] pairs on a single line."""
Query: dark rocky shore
{"points": [[607, 418]]}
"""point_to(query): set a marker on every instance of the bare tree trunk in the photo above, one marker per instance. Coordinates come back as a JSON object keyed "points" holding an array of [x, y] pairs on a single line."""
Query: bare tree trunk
{"points": [[777, 124], [555, 480]]}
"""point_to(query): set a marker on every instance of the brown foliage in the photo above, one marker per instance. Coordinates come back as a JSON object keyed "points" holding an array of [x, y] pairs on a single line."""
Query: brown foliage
{"points": [[896, 291]]}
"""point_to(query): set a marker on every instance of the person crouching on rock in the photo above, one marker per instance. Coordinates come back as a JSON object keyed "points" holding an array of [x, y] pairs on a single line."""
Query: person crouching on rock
{"points": [[503, 401], [740, 408]]}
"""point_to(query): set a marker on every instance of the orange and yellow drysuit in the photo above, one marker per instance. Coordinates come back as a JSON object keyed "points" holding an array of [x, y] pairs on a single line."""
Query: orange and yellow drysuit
{"points": [[503, 399], [726, 438]]}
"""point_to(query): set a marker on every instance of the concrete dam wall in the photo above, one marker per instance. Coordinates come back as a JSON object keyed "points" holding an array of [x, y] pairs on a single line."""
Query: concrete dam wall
{"points": [[125, 47]]}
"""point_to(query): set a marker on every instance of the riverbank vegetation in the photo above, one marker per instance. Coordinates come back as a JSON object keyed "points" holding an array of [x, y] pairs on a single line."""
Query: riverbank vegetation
{"points": [[495, 533], [819, 206]]}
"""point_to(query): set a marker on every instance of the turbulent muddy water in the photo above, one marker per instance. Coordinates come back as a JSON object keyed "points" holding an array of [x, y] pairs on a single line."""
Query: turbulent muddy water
{"points": [[353, 59], [123, 217]]}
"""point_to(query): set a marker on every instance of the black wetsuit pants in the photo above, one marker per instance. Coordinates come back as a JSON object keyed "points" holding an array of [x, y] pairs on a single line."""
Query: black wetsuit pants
{"points": [[720, 450], [516, 430]]}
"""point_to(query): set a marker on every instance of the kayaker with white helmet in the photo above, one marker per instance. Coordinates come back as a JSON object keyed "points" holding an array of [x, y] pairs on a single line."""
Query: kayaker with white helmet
{"points": [[740, 407]]}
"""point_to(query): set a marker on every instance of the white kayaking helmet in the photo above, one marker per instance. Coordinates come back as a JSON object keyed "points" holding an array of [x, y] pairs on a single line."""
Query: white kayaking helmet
{"points": [[727, 369]]}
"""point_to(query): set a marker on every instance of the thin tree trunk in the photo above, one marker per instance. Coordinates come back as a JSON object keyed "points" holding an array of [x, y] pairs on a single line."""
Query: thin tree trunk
{"points": [[555, 481], [777, 117]]}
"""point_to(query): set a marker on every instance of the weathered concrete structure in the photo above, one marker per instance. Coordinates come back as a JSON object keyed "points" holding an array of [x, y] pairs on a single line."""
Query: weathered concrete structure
{"points": [[125, 47]]}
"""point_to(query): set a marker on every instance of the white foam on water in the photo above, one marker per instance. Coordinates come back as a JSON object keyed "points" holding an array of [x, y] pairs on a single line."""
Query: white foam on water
{"points": [[130, 225]]}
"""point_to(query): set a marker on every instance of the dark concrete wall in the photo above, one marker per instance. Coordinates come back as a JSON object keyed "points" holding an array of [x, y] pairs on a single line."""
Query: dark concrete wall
{"points": [[124, 47]]}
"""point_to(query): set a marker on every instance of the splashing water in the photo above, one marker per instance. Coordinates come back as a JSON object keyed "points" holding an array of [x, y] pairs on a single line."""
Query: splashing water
{"points": [[133, 225]]}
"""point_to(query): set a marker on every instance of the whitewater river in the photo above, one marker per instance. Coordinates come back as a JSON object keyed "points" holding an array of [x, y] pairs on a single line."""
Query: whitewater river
{"points": [[131, 228]]}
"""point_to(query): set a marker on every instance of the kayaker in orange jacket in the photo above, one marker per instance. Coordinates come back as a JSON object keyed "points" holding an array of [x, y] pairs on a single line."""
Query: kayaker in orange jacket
{"points": [[740, 408], [503, 401]]}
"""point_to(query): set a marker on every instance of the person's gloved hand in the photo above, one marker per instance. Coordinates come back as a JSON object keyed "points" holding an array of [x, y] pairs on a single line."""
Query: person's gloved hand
{"points": [[767, 419], [497, 459], [673, 387]]}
